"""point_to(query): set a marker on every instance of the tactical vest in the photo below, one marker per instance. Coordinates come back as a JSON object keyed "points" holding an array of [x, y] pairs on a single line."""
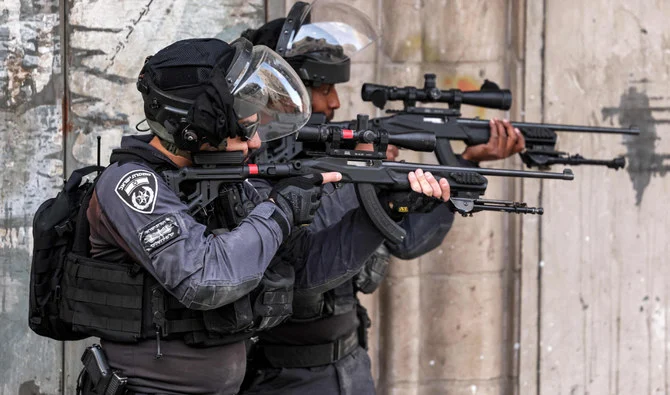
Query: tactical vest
{"points": [[342, 299], [120, 301]]}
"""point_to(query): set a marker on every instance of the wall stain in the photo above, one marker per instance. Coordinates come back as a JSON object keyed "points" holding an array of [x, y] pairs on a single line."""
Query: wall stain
{"points": [[30, 388], [635, 110], [32, 8]]}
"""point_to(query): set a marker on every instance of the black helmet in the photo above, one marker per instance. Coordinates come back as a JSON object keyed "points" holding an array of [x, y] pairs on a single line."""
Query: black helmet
{"points": [[195, 91], [318, 39]]}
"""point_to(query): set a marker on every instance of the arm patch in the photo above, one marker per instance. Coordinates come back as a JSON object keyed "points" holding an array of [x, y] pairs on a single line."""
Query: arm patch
{"points": [[159, 233], [138, 189]]}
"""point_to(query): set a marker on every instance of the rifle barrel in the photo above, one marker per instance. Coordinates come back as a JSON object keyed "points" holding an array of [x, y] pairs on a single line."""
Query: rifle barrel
{"points": [[561, 128], [565, 175]]}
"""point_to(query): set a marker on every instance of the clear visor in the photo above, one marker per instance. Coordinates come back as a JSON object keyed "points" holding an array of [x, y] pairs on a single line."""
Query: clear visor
{"points": [[271, 94], [335, 27]]}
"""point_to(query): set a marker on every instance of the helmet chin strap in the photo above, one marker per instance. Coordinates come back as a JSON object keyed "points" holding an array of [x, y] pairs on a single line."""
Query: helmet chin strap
{"points": [[166, 139], [173, 149]]}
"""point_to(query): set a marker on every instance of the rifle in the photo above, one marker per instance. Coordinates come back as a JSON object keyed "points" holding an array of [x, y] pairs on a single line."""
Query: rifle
{"points": [[447, 124], [365, 169]]}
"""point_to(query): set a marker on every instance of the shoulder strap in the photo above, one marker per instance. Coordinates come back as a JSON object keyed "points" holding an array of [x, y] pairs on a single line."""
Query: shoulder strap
{"points": [[77, 175], [141, 155]]}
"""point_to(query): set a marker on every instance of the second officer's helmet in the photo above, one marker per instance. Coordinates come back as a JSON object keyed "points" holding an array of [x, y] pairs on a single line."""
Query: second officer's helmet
{"points": [[318, 40]]}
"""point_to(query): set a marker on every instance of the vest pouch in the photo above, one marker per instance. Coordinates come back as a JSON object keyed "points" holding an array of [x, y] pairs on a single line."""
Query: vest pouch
{"points": [[374, 271], [273, 298], [103, 299], [307, 307], [227, 324], [343, 299]]}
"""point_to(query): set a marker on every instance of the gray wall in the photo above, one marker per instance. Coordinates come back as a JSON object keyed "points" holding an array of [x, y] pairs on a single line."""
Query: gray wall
{"points": [[67, 76], [573, 302]]}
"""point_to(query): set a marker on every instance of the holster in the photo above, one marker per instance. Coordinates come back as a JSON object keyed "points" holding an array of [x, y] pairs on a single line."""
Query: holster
{"points": [[363, 326], [97, 377]]}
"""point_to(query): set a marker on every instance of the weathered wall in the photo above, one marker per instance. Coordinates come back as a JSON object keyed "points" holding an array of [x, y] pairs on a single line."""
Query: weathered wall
{"points": [[31, 92], [572, 302], [48, 102], [443, 326], [440, 322], [595, 281]]}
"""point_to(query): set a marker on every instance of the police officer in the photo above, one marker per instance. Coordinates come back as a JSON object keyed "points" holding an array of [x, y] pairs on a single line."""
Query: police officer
{"points": [[173, 296], [321, 349]]}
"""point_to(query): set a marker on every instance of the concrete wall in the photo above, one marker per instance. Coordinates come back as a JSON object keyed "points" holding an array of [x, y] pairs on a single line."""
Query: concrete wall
{"points": [[572, 302], [67, 76], [441, 323], [594, 295]]}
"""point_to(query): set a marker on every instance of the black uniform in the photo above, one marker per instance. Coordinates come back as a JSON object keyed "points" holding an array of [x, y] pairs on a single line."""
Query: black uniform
{"points": [[195, 292], [320, 348]]}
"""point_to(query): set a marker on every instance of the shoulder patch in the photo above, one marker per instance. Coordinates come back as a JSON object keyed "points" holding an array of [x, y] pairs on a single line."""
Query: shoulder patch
{"points": [[159, 233], [138, 189]]}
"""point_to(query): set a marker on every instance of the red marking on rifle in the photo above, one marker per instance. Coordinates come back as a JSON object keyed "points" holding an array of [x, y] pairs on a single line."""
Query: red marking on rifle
{"points": [[253, 169], [347, 134]]}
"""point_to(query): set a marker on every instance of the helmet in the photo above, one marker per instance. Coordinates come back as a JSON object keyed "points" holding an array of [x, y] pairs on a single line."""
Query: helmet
{"points": [[200, 91], [318, 39]]}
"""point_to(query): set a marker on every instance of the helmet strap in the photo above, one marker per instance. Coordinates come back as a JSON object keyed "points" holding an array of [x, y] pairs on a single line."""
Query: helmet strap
{"points": [[173, 149]]}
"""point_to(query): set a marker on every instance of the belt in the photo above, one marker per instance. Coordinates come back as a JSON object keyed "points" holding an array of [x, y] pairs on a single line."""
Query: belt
{"points": [[308, 356]]}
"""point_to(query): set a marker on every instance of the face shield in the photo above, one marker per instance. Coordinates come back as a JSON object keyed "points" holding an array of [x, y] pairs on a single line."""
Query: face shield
{"points": [[326, 26], [269, 96]]}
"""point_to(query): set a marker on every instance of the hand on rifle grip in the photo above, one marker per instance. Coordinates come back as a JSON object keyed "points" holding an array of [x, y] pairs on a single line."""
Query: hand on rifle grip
{"points": [[426, 184], [505, 141], [300, 197]]}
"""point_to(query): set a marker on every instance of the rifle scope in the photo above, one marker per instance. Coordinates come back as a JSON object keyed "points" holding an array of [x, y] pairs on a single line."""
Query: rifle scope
{"points": [[490, 96], [414, 140]]}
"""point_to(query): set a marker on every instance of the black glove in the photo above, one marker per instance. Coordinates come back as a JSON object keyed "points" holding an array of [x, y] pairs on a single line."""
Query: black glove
{"points": [[299, 197], [398, 204]]}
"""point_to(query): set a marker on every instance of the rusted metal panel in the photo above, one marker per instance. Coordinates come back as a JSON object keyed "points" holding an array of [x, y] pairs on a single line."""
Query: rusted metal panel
{"points": [[31, 153]]}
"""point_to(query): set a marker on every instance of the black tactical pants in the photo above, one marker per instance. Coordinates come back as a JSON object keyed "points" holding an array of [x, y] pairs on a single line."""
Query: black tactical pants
{"points": [[350, 375]]}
